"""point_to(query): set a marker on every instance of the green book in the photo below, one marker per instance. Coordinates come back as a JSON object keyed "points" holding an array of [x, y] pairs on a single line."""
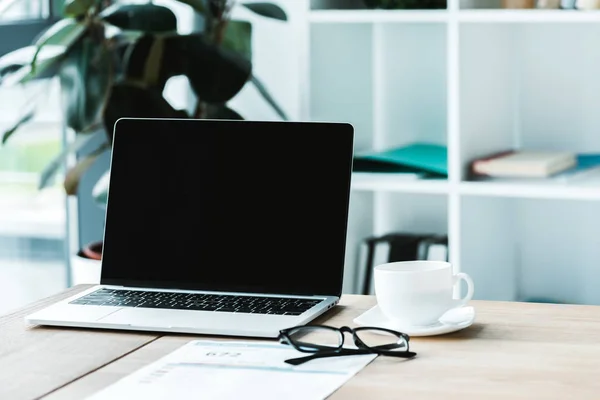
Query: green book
{"points": [[427, 158]]}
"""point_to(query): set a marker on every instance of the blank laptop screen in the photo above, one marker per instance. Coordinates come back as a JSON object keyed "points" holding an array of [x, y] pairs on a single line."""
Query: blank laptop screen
{"points": [[235, 206]]}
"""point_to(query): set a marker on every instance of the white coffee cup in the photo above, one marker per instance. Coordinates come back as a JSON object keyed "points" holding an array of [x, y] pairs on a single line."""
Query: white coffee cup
{"points": [[418, 293]]}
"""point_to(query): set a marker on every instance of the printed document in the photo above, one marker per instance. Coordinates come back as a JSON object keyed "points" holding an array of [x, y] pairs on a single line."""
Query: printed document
{"points": [[216, 370]]}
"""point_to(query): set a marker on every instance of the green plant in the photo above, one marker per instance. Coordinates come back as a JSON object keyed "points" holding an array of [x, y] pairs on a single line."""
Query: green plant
{"points": [[113, 60]]}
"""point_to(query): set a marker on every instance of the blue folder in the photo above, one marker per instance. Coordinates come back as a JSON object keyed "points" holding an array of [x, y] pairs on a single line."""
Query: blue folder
{"points": [[427, 158], [587, 160]]}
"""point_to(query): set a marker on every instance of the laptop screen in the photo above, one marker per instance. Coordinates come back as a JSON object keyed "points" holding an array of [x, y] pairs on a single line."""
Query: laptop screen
{"points": [[237, 206]]}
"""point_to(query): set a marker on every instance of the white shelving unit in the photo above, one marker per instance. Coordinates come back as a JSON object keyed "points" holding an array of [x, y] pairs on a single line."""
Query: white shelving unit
{"points": [[476, 80], [376, 16], [527, 16]]}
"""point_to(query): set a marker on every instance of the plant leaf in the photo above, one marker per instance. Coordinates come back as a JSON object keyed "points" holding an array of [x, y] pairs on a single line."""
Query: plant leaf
{"points": [[144, 61], [100, 190], [15, 67], [130, 100], [197, 5], [216, 74], [35, 61], [221, 111], [238, 38], [268, 98], [152, 66], [57, 162], [65, 32], [23, 119], [121, 36], [85, 78], [77, 8], [268, 10], [74, 175], [144, 17]]}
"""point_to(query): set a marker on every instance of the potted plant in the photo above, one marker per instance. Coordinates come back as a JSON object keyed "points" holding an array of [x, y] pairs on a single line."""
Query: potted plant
{"points": [[113, 60]]}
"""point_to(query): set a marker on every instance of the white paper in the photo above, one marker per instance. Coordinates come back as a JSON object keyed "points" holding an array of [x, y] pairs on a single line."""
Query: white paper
{"points": [[215, 370]]}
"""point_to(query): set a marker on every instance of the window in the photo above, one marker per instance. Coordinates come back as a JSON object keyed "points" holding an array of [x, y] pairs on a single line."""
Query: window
{"points": [[33, 259], [19, 10], [35, 239]]}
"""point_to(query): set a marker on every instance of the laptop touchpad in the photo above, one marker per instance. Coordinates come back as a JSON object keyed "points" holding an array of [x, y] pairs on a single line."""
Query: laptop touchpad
{"points": [[137, 317], [157, 318]]}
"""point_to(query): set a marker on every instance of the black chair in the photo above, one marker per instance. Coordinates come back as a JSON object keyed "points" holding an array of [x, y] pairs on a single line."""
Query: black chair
{"points": [[396, 246]]}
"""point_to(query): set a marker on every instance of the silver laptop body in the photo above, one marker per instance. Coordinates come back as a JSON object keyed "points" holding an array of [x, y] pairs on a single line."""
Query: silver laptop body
{"points": [[219, 227]]}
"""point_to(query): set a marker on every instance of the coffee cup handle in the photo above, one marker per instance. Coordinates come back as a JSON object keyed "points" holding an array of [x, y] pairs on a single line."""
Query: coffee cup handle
{"points": [[470, 288]]}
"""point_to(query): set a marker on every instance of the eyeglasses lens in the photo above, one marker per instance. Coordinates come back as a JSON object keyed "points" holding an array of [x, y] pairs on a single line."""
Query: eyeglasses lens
{"points": [[313, 339], [382, 340]]}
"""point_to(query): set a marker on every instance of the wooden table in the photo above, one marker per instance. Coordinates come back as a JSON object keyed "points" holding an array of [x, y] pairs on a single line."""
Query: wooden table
{"points": [[514, 350]]}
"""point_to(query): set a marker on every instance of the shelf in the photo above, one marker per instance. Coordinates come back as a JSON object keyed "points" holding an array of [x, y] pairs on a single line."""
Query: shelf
{"points": [[528, 16], [372, 16], [420, 75], [531, 190], [376, 182], [559, 191], [467, 16]]}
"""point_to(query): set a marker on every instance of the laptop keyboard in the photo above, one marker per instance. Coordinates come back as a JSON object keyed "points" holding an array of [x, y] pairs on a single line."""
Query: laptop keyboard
{"points": [[197, 302]]}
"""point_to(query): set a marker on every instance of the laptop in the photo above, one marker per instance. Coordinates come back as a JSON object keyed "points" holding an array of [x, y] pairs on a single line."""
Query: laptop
{"points": [[219, 227]]}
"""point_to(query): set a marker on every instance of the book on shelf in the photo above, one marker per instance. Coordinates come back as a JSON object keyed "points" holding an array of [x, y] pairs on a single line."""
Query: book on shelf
{"points": [[586, 167], [523, 164], [416, 160]]}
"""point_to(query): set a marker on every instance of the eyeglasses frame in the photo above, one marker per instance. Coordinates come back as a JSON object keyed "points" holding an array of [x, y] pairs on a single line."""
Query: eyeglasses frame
{"points": [[362, 348]]}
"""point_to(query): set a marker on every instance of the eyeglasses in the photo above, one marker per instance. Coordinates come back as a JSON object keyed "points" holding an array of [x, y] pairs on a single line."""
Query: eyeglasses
{"points": [[327, 341]]}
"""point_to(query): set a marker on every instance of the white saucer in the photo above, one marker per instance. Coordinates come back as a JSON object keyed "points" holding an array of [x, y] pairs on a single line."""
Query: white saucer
{"points": [[454, 320]]}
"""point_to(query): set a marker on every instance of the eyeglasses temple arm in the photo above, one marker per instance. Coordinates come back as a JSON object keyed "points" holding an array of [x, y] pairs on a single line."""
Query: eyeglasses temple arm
{"points": [[392, 346], [316, 346], [349, 352], [344, 352]]}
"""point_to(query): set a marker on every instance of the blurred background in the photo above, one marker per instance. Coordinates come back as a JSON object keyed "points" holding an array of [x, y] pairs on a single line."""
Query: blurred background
{"points": [[433, 88]]}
